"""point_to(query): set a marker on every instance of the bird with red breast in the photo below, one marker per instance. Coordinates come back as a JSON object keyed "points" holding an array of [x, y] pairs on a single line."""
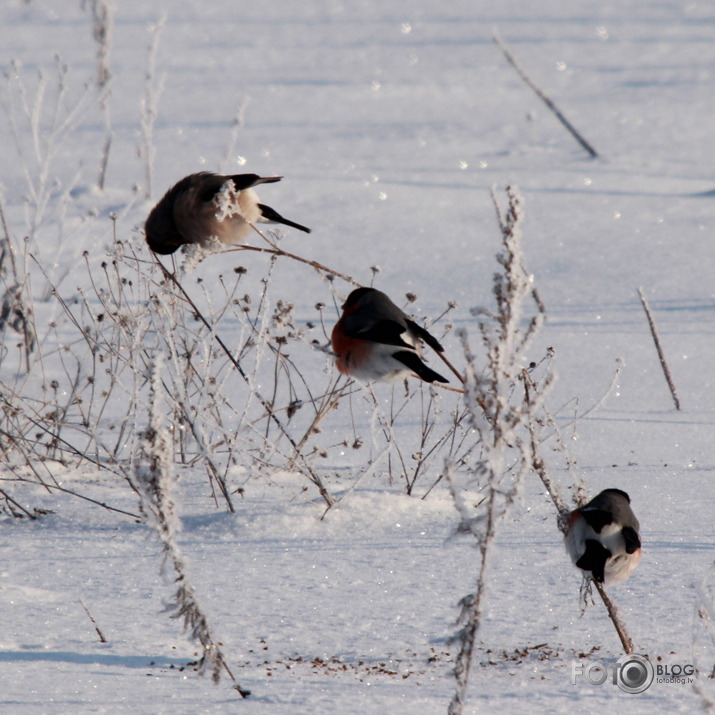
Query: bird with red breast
{"points": [[375, 340], [205, 207], [603, 537]]}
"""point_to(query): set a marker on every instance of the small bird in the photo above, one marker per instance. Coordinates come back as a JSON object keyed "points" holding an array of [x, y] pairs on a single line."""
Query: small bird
{"points": [[375, 340], [206, 205], [602, 537]]}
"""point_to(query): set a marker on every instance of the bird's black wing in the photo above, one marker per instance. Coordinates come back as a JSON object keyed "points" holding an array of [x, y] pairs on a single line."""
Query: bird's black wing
{"points": [[387, 332], [210, 184], [422, 334], [633, 541], [246, 181], [597, 518]]}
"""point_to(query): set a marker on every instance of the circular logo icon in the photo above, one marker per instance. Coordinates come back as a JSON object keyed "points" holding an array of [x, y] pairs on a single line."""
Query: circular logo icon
{"points": [[634, 673]]}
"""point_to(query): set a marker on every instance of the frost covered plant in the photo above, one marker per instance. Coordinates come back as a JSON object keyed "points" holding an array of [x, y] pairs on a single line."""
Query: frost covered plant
{"points": [[227, 201], [149, 106], [41, 113], [504, 458], [16, 311], [194, 253], [102, 12], [155, 482], [704, 640]]}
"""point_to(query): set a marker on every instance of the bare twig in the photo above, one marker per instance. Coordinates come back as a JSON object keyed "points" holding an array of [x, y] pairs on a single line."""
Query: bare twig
{"points": [[543, 97], [11, 501], [278, 251], [447, 387], [51, 487], [615, 617], [459, 375], [659, 348], [102, 639]]}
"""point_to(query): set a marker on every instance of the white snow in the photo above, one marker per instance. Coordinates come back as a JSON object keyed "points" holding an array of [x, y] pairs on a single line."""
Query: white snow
{"points": [[390, 123]]}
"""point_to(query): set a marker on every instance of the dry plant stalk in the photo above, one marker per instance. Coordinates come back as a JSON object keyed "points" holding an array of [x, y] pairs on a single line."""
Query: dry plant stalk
{"points": [[544, 97], [97, 629], [40, 118], [504, 458], [149, 106], [102, 16], [13, 505], [15, 306], [155, 481], [659, 348], [276, 250]]}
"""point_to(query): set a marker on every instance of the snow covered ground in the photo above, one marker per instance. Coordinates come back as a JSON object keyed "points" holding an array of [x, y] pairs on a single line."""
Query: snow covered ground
{"points": [[390, 122]]}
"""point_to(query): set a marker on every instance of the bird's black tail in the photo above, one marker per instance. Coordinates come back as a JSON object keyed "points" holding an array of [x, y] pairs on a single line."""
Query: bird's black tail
{"points": [[272, 215], [412, 360], [423, 334], [594, 559]]}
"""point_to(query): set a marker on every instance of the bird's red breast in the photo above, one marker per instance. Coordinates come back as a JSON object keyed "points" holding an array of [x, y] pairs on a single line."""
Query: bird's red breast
{"points": [[350, 352]]}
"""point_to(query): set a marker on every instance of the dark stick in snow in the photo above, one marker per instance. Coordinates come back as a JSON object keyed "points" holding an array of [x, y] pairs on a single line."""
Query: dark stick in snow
{"points": [[544, 98], [659, 348]]}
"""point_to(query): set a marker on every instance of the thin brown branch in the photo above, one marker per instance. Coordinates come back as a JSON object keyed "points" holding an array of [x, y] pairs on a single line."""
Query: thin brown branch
{"points": [[615, 617], [51, 487], [659, 348], [10, 500], [447, 387], [279, 252], [446, 361]]}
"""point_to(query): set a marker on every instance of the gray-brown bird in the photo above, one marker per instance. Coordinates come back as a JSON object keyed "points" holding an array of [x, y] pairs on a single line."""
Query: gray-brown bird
{"points": [[206, 205]]}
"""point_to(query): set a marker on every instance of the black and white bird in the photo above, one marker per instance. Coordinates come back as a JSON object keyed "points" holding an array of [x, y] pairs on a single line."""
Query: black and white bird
{"points": [[603, 537], [375, 340], [205, 207]]}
